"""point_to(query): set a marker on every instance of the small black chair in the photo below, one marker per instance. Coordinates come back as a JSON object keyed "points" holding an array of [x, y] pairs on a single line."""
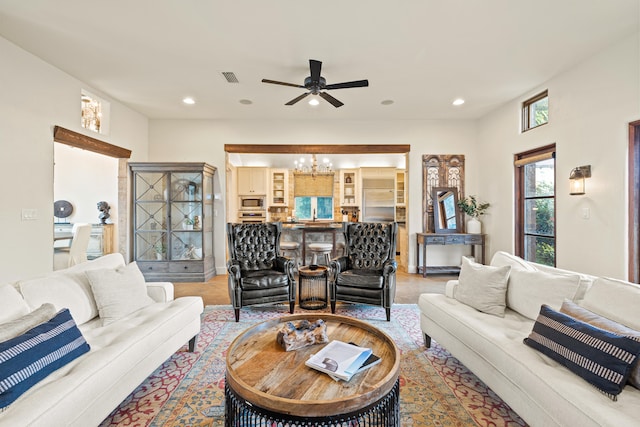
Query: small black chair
{"points": [[367, 272], [257, 273]]}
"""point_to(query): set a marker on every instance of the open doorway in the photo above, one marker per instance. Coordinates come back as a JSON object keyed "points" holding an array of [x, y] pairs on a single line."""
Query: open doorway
{"points": [[88, 171], [355, 156]]}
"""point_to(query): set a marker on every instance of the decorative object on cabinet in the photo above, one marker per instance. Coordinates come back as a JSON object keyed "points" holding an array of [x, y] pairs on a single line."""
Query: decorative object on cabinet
{"points": [[446, 170], [423, 240], [62, 209], [278, 187], [446, 215], [173, 221], [474, 210], [104, 214]]}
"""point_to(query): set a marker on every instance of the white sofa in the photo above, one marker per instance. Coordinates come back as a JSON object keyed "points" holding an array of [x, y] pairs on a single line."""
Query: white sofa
{"points": [[122, 353], [540, 390]]}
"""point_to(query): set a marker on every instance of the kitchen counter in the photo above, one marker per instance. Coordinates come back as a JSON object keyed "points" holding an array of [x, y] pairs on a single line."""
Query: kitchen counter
{"points": [[313, 232]]}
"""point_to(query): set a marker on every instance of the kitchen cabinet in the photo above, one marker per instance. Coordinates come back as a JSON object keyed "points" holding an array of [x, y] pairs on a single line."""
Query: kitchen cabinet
{"points": [[401, 195], [278, 187], [252, 181], [350, 193], [172, 221]]}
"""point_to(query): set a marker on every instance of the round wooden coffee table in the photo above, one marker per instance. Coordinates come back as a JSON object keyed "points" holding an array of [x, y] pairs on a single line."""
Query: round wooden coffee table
{"points": [[266, 384]]}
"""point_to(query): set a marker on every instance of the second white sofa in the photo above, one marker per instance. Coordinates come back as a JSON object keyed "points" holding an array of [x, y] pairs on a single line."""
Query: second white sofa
{"points": [[543, 392]]}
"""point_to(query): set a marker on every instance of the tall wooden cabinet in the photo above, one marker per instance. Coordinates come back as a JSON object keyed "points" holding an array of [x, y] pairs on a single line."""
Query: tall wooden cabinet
{"points": [[172, 221]]}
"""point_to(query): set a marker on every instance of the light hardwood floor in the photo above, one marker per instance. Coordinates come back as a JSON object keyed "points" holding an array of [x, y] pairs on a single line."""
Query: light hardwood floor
{"points": [[408, 288]]}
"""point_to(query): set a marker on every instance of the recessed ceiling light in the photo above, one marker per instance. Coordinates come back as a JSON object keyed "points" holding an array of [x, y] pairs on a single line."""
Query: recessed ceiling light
{"points": [[246, 101], [458, 101], [387, 102], [189, 101], [314, 101]]}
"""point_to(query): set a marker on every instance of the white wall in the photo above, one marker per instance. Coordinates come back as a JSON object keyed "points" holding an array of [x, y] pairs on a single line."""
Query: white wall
{"points": [[590, 107], [204, 140], [35, 98]]}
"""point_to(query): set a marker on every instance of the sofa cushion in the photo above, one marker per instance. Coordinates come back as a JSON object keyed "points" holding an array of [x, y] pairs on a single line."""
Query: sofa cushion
{"points": [[483, 287], [614, 299], [602, 358], [19, 326], [118, 292], [500, 259], [12, 305], [528, 290], [584, 315], [263, 279], [362, 278], [27, 359]]}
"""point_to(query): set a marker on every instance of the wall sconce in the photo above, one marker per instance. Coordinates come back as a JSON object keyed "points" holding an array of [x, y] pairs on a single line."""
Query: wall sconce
{"points": [[576, 179]]}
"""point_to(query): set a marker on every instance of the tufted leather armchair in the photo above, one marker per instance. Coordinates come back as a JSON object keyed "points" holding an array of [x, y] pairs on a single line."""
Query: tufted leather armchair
{"points": [[257, 274], [367, 272]]}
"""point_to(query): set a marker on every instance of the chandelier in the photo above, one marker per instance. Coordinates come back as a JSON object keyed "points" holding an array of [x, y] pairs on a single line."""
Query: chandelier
{"points": [[312, 168]]}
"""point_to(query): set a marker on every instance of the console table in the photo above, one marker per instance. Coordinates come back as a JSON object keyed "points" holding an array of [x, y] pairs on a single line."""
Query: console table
{"points": [[427, 239]]}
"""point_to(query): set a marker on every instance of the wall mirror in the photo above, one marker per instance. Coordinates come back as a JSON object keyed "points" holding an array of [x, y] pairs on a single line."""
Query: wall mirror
{"points": [[446, 215]]}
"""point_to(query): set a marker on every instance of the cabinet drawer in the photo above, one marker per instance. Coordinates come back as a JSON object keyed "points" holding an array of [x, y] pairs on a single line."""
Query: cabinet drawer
{"points": [[455, 240], [435, 240], [156, 267], [186, 267], [471, 239]]}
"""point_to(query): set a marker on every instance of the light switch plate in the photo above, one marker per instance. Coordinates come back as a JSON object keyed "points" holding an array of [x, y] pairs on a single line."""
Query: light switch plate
{"points": [[29, 214]]}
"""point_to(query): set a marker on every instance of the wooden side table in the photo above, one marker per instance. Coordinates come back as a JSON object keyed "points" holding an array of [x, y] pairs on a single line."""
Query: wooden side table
{"points": [[313, 287], [429, 239]]}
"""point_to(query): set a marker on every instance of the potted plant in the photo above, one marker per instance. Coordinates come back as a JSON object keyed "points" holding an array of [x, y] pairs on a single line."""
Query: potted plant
{"points": [[188, 224], [474, 210], [160, 251]]}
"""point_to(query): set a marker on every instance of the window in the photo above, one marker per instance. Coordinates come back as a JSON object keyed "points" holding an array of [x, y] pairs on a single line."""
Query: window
{"points": [[310, 208], [535, 111], [535, 205]]}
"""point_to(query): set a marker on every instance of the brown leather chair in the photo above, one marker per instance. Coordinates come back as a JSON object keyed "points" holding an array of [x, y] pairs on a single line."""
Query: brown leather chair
{"points": [[367, 272], [257, 273]]}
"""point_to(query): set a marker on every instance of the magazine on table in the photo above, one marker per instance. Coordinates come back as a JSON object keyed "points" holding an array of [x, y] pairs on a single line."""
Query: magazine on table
{"points": [[342, 360]]}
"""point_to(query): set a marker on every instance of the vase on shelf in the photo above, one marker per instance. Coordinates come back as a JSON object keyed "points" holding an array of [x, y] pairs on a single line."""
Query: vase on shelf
{"points": [[474, 226]]}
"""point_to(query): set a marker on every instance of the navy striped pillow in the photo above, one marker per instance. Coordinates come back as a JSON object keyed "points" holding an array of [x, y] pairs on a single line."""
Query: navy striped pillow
{"points": [[28, 358], [602, 358]]}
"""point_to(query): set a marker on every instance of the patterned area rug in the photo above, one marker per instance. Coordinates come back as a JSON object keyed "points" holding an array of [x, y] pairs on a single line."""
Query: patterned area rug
{"points": [[435, 388]]}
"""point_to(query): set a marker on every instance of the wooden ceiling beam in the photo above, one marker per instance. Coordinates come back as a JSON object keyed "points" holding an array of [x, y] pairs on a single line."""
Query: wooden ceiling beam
{"points": [[316, 149]]}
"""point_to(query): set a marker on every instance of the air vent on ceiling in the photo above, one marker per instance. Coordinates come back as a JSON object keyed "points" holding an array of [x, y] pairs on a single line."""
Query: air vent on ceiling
{"points": [[231, 78]]}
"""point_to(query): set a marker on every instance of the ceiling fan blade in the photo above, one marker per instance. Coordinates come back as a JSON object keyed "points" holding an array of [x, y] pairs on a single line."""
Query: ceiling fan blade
{"points": [[281, 83], [331, 99], [315, 67], [299, 98], [345, 85]]}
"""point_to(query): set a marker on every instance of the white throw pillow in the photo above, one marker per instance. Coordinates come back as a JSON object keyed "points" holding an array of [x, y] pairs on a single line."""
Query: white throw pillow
{"points": [[118, 292], [483, 287], [528, 290], [12, 305], [614, 299], [19, 326]]}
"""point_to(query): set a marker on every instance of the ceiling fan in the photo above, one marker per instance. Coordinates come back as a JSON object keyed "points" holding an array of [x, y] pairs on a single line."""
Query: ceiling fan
{"points": [[316, 84]]}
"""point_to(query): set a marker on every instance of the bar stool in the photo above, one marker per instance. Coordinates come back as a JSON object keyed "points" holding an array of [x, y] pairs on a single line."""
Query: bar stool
{"points": [[321, 249], [290, 250]]}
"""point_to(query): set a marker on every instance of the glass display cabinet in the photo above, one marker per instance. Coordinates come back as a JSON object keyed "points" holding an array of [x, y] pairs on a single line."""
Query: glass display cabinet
{"points": [[172, 221]]}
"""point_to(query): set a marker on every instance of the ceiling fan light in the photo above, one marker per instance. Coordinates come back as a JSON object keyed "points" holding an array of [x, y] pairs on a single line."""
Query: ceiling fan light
{"points": [[188, 100], [458, 102], [314, 101]]}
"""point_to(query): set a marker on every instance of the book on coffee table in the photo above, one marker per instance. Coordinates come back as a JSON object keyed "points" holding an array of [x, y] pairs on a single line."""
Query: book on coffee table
{"points": [[339, 359]]}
